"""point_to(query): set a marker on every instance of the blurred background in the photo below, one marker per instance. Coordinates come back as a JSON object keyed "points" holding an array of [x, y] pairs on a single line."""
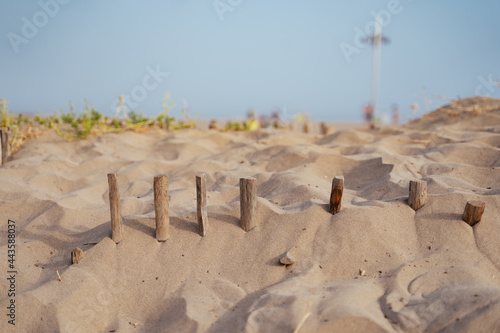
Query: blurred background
{"points": [[221, 58]]}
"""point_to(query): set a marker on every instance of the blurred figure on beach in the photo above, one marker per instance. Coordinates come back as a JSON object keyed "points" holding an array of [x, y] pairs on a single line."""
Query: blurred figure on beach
{"points": [[368, 112], [252, 123], [302, 118], [414, 108], [272, 121], [395, 114]]}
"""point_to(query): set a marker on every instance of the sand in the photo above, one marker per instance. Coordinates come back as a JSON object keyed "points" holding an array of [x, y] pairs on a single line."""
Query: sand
{"points": [[376, 266]]}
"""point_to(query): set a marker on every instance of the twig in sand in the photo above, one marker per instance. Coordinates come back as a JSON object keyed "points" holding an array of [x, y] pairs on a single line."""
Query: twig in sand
{"points": [[299, 326], [58, 276]]}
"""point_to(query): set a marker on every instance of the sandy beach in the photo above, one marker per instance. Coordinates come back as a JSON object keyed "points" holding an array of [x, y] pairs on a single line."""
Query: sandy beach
{"points": [[376, 266]]}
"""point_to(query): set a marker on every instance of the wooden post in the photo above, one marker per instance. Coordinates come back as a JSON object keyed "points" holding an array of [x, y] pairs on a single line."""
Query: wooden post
{"points": [[473, 212], [323, 128], [326, 129], [307, 127], [418, 194], [213, 125], [201, 205], [116, 215], [4, 135], [161, 208], [336, 195], [248, 203]]}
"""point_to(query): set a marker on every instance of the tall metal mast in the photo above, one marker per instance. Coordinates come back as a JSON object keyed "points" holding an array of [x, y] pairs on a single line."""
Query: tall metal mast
{"points": [[376, 39]]}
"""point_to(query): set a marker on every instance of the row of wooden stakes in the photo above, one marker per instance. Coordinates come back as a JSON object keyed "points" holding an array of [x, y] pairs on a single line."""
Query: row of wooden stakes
{"points": [[248, 204], [417, 198]]}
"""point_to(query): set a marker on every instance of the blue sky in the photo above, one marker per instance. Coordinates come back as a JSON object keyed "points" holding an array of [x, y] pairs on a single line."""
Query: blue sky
{"points": [[224, 57]]}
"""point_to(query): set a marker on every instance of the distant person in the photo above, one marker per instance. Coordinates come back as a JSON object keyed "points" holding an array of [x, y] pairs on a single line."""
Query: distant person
{"points": [[368, 110], [395, 114], [252, 123], [414, 108], [276, 119]]}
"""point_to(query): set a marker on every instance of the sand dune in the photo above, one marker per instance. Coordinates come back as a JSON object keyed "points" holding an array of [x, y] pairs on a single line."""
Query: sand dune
{"points": [[376, 266]]}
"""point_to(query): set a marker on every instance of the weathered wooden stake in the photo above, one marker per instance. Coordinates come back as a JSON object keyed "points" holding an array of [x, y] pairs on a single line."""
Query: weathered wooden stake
{"points": [[114, 203], [248, 203], [473, 212], [4, 136], [201, 205], [323, 128], [326, 129], [418, 194], [161, 208], [336, 195], [213, 125], [76, 255], [307, 127]]}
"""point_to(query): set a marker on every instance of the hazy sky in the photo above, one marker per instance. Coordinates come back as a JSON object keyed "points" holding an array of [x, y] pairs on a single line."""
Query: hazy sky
{"points": [[223, 57]]}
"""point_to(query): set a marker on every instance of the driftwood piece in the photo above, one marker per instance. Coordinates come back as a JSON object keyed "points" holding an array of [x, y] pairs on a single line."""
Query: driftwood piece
{"points": [[201, 204], [473, 212], [161, 208], [417, 194], [116, 215], [248, 203], [76, 255], [336, 195]]}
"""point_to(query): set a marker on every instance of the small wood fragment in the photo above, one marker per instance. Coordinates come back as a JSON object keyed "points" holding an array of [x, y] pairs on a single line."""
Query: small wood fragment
{"points": [[76, 255], [213, 125], [473, 212], [417, 194], [287, 259], [161, 208], [201, 204], [248, 203], [336, 194], [58, 276], [116, 215], [303, 320]]}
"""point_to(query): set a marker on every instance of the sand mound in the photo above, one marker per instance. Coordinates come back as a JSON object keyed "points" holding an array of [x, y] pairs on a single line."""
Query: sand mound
{"points": [[462, 111], [376, 266]]}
